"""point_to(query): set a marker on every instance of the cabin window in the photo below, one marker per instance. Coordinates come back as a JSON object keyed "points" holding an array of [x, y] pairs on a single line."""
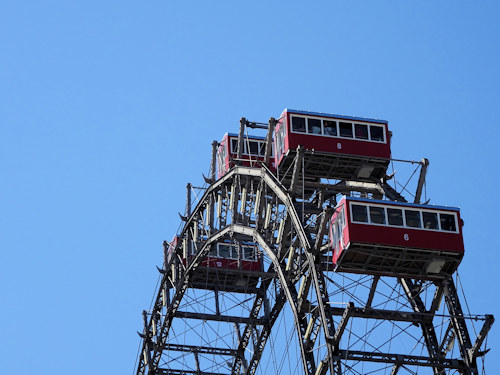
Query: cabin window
{"points": [[430, 220], [254, 147], [314, 126], [248, 253], [345, 129], [224, 251], [330, 127], [359, 213], [377, 215], [413, 219], [376, 133], [299, 124], [234, 146], [395, 216], [361, 131], [448, 222]]}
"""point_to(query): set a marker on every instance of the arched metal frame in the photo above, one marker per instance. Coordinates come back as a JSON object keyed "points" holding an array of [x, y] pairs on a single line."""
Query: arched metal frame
{"points": [[268, 183]]}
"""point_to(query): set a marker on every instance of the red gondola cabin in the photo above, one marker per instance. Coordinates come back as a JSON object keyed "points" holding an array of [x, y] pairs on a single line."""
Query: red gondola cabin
{"points": [[254, 149], [228, 266], [396, 239], [338, 147]]}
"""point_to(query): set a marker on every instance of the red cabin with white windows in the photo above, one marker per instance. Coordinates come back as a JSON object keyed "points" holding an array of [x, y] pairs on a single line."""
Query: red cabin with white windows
{"points": [[254, 149], [338, 147], [396, 239], [229, 266]]}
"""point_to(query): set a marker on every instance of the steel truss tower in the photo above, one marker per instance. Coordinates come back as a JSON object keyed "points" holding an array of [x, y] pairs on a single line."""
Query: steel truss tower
{"points": [[296, 315]]}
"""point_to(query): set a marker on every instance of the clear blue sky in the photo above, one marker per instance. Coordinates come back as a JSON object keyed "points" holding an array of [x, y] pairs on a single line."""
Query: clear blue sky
{"points": [[108, 109]]}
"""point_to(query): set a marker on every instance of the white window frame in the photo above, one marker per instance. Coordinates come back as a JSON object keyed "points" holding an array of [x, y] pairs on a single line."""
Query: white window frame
{"points": [[320, 125], [454, 214], [352, 130], [420, 216], [370, 133], [254, 253], [367, 130], [438, 220], [402, 216], [291, 123], [235, 250], [367, 214], [231, 245], [386, 221], [336, 121]]}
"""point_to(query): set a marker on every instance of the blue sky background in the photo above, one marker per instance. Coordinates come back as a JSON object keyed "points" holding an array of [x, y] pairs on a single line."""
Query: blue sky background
{"points": [[108, 109]]}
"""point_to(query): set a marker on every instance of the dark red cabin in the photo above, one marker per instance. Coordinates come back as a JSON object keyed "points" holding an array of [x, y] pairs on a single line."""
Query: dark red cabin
{"points": [[396, 239], [254, 149], [228, 266], [338, 147]]}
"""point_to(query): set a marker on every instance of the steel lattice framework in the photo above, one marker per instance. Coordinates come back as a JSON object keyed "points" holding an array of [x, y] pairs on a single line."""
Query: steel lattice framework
{"points": [[295, 315]]}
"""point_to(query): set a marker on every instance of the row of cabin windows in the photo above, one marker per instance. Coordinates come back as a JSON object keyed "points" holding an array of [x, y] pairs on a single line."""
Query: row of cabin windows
{"points": [[333, 128], [257, 148], [403, 217], [230, 251]]}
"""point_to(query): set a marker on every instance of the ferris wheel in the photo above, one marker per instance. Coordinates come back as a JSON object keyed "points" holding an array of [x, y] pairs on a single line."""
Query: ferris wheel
{"points": [[299, 257]]}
